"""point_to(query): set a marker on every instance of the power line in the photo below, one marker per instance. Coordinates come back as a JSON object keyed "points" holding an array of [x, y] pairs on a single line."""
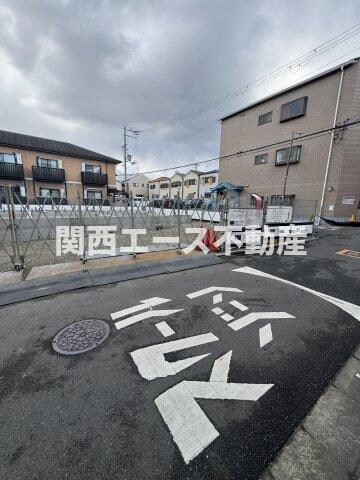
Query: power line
{"points": [[297, 62], [213, 123], [180, 140], [305, 137]]}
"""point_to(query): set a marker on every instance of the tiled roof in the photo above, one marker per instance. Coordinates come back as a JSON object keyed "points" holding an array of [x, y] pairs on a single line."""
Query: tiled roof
{"points": [[38, 144]]}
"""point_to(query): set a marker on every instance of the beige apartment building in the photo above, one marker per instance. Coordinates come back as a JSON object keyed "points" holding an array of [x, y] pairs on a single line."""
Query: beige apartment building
{"points": [[137, 186], [159, 188], [191, 184], [177, 185], [39, 168], [325, 168], [207, 181]]}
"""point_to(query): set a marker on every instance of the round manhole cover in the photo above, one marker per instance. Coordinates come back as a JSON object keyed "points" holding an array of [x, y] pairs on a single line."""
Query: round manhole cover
{"points": [[80, 337]]}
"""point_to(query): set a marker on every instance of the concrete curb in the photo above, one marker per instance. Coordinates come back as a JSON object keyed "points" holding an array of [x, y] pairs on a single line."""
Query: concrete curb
{"points": [[326, 445], [41, 287]]}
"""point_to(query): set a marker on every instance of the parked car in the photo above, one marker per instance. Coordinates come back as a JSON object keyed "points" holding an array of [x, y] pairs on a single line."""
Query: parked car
{"points": [[194, 203]]}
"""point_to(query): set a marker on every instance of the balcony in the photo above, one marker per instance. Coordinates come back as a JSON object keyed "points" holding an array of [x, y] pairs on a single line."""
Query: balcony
{"points": [[90, 178], [11, 170], [47, 174]]}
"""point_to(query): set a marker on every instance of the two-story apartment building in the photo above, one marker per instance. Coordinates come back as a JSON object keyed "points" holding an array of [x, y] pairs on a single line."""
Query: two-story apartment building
{"points": [[324, 167], [136, 185], [207, 181], [40, 168], [191, 184], [164, 187], [159, 188], [177, 185]]}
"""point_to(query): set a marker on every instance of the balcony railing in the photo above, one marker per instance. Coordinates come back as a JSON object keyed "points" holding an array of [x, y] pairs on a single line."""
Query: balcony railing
{"points": [[90, 178], [11, 170], [47, 174]]}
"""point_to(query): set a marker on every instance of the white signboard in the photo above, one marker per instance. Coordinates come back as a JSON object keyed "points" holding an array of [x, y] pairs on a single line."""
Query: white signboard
{"points": [[348, 200], [245, 217], [279, 214]]}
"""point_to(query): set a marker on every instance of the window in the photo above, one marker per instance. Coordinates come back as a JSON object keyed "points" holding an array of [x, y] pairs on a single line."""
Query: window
{"points": [[209, 179], [280, 200], [294, 109], [192, 181], [164, 185], [262, 158], [265, 118], [94, 194], [8, 157], [281, 155], [176, 184], [50, 192], [152, 186], [92, 168], [47, 162], [135, 184], [207, 195]]}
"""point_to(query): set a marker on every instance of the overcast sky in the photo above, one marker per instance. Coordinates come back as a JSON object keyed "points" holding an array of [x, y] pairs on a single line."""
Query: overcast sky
{"points": [[79, 70]]}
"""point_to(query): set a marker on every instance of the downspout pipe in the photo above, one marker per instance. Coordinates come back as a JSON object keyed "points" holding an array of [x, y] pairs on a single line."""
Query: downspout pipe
{"points": [[331, 142]]}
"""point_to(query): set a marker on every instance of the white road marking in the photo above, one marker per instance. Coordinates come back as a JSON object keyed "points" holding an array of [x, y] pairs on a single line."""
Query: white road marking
{"points": [[165, 239], [238, 305], [217, 298], [149, 302], [227, 317], [253, 317], [220, 370], [199, 293], [143, 316], [151, 362], [165, 329], [348, 307], [190, 428], [217, 310], [265, 335], [357, 375]]}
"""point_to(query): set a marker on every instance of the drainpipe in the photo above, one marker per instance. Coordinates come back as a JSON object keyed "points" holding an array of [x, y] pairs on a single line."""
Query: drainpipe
{"points": [[331, 143]]}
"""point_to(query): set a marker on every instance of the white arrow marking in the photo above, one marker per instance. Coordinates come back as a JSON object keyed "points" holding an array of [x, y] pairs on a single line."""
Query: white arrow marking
{"points": [[149, 302], [253, 317], [348, 307], [190, 428], [151, 362], [199, 293], [142, 316], [265, 335]]}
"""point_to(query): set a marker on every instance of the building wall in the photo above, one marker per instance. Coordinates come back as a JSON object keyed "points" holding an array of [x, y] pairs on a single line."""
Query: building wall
{"points": [[71, 165], [142, 189], [164, 192], [205, 188], [175, 191], [241, 132], [191, 191], [153, 192]]}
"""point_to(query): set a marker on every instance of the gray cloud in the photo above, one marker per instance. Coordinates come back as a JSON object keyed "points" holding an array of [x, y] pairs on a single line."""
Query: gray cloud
{"points": [[80, 70]]}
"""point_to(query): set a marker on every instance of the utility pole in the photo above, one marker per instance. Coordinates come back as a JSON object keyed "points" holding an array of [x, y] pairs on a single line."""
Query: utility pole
{"points": [[128, 158], [288, 156]]}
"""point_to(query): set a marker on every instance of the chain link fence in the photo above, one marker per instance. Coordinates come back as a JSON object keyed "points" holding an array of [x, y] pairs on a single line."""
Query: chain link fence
{"points": [[28, 231]]}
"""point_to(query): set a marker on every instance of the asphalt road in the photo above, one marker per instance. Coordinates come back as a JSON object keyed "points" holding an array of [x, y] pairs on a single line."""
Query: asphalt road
{"points": [[112, 413]]}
